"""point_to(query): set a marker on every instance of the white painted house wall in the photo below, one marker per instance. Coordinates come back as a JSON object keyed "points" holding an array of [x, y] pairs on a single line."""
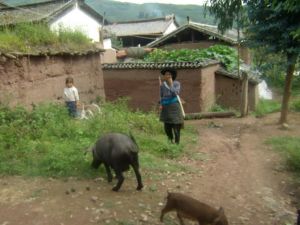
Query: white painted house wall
{"points": [[77, 19], [170, 28], [107, 43]]}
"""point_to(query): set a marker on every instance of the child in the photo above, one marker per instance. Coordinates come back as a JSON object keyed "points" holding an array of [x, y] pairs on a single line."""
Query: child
{"points": [[71, 97]]}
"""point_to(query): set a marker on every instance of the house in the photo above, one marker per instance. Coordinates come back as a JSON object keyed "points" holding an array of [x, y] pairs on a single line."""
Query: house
{"points": [[196, 35], [142, 32], [74, 14], [204, 84]]}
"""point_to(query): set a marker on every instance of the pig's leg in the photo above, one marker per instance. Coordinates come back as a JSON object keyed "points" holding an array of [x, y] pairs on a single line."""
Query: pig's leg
{"points": [[120, 178], [165, 210], [138, 176], [180, 219], [108, 172]]}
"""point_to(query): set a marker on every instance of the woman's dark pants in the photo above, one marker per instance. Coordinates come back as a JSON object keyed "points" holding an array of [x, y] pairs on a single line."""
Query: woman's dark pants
{"points": [[173, 128]]}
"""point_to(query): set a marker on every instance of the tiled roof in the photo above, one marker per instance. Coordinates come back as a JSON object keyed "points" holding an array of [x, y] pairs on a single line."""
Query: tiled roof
{"points": [[53, 53], [253, 77], [31, 13], [229, 36], [154, 27], [144, 65], [42, 11]]}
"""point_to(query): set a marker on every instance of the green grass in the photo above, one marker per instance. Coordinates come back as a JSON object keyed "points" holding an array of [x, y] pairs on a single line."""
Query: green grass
{"points": [[290, 148], [265, 107], [47, 142], [295, 105], [29, 38]]}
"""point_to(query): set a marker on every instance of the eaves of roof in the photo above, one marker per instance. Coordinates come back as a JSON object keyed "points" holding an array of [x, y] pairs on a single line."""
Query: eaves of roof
{"points": [[53, 53], [177, 65], [252, 78], [153, 27], [154, 65], [88, 9], [148, 20], [61, 11], [194, 27], [51, 16]]}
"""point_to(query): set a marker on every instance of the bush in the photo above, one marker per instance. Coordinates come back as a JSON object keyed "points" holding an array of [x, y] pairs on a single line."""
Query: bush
{"points": [[265, 106], [225, 54], [35, 34], [290, 148], [29, 37], [10, 42], [73, 37], [295, 105], [218, 108]]}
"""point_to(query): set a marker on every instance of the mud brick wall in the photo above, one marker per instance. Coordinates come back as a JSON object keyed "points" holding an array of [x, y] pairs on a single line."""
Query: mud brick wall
{"points": [[34, 79], [142, 88]]}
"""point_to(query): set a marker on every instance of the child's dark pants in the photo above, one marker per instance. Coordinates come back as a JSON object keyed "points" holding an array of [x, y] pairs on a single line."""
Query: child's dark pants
{"points": [[72, 108]]}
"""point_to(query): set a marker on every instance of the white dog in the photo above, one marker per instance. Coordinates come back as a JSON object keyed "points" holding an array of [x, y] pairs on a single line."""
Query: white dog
{"points": [[88, 111]]}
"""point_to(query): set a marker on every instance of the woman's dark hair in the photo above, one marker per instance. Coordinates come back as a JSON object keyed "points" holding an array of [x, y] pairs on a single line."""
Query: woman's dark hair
{"points": [[172, 71]]}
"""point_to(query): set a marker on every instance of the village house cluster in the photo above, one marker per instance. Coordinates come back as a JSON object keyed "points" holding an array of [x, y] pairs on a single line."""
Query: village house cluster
{"points": [[110, 72]]}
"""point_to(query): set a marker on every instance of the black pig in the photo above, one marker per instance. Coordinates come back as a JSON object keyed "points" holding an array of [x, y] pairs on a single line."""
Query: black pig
{"points": [[117, 151]]}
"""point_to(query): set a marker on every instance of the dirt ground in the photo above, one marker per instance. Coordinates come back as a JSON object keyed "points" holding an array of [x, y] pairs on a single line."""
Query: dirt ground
{"points": [[230, 167]]}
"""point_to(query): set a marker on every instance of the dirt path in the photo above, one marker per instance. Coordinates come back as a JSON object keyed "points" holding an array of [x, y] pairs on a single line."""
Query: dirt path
{"points": [[231, 167]]}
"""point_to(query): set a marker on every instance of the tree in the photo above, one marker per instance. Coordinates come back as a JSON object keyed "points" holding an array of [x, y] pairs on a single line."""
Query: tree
{"points": [[227, 13], [275, 26]]}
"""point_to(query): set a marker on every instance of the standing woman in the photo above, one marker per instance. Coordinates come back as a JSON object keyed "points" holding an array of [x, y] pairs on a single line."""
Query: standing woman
{"points": [[171, 114]]}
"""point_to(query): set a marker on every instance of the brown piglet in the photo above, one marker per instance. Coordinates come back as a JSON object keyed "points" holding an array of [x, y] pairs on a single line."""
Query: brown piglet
{"points": [[190, 208]]}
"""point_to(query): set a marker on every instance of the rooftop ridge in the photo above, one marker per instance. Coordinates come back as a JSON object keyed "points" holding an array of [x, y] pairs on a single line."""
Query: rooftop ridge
{"points": [[160, 65], [166, 18]]}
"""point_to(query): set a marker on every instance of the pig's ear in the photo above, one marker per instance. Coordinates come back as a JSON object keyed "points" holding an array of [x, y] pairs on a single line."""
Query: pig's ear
{"points": [[219, 216]]}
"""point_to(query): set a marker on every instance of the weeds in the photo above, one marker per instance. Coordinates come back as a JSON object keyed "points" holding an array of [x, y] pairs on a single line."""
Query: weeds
{"points": [[47, 142], [266, 106], [226, 55], [29, 37], [290, 148], [295, 105], [218, 108]]}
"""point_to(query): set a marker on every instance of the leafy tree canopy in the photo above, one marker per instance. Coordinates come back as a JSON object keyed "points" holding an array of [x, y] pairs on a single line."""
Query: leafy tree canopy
{"points": [[227, 13], [274, 25]]}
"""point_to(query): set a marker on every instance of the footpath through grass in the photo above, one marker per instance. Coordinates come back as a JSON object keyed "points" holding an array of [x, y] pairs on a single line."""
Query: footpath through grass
{"points": [[47, 142]]}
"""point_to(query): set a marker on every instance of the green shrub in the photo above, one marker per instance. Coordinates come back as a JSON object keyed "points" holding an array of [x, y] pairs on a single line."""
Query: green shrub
{"points": [[290, 148], [10, 42], [35, 34], [47, 142], [225, 54], [217, 108], [265, 106], [295, 105], [66, 35], [28, 37]]}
